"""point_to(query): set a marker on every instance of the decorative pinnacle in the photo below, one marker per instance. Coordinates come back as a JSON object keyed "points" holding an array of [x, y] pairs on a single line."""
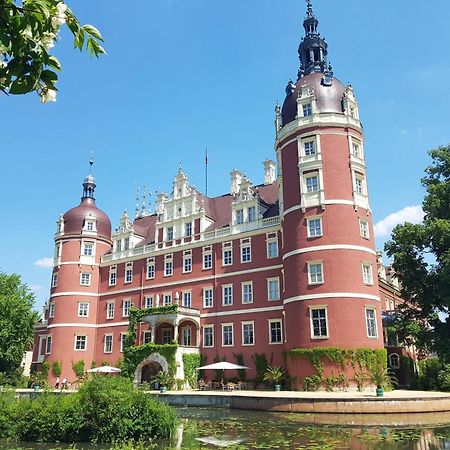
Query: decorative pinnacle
{"points": [[91, 162], [309, 9]]}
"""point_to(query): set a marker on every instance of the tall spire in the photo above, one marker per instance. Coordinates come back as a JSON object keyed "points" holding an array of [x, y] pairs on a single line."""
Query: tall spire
{"points": [[313, 50], [89, 182]]}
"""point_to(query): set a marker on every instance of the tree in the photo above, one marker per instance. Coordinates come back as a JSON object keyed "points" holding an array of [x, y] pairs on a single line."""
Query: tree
{"points": [[421, 261], [17, 320], [28, 32]]}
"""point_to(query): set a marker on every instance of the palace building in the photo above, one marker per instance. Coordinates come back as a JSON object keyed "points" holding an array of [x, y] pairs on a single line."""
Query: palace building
{"points": [[263, 269]]}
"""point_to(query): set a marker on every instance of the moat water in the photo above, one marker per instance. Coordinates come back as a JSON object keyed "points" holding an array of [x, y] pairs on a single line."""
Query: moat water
{"points": [[205, 428]]}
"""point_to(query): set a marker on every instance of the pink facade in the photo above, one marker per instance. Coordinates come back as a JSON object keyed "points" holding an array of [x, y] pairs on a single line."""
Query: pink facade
{"points": [[264, 269]]}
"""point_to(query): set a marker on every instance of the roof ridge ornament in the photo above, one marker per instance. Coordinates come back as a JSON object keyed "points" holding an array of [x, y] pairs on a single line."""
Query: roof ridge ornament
{"points": [[309, 9]]}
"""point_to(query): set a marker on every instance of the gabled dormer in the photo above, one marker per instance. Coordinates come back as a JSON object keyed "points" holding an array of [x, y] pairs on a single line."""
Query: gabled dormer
{"points": [[124, 238], [350, 104], [246, 207], [306, 102]]}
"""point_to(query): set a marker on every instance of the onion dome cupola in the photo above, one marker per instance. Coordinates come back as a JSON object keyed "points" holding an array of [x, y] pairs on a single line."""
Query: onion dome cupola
{"points": [[86, 215], [315, 72]]}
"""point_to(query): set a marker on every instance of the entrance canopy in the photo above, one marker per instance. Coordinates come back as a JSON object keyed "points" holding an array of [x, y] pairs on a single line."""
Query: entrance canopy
{"points": [[223, 365]]}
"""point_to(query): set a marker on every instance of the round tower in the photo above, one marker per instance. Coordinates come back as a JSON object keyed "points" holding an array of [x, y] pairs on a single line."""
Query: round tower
{"points": [[330, 293], [83, 235]]}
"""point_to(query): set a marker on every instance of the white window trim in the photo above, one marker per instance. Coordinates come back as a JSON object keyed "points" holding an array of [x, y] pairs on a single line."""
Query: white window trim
{"points": [[223, 294], [123, 307], [268, 289], [187, 256], [89, 277], [223, 325], [128, 267], [245, 245], [182, 298], [164, 296], [144, 333], [208, 288], [83, 247], [368, 308], [54, 280], [48, 350], [112, 270], [51, 310], [247, 322], [150, 263], [104, 342], [312, 263], [168, 259], [228, 247], [311, 218], [361, 220], [246, 283], [145, 300], [212, 335], [87, 309], [111, 302], [75, 343], [269, 322], [313, 308], [122, 338], [272, 241], [367, 264]]}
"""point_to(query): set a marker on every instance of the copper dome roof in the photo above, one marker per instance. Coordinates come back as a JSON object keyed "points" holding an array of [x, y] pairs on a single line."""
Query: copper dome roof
{"points": [[328, 98], [75, 217]]}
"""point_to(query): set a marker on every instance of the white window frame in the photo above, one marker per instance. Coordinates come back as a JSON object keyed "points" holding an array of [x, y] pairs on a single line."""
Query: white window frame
{"points": [[146, 333], [207, 259], [150, 269], [310, 175], [270, 322], [228, 324], [360, 183], [209, 327], [245, 284], [186, 329], [311, 219], [169, 234], [54, 280], [83, 309], [311, 321], [227, 247], [205, 299], [185, 294], [128, 277], [364, 228], [239, 214], [251, 216], [188, 229], [48, 344], [86, 246], [244, 245], [110, 311], [269, 281], [85, 279], [374, 319], [252, 323], [78, 340], [168, 265], [167, 298], [112, 276], [272, 238], [126, 306], [51, 310], [311, 143], [310, 279], [307, 107], [149, 301], [367, 273], [123, 335], [105, 341], [187, 261], [224, 296]]}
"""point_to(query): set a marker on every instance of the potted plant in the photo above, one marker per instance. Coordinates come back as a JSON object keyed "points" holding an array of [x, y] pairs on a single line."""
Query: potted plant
{"points": [[164, 379], [381, 377], [274, 374]]}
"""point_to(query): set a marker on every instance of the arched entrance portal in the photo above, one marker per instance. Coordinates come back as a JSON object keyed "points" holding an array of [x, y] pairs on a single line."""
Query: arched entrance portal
{"points": [[149, 371], [149, 366]]}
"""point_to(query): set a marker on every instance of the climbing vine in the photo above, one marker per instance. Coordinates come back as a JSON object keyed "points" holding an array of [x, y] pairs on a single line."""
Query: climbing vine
{"points": [[190, 363], [239, 357]]}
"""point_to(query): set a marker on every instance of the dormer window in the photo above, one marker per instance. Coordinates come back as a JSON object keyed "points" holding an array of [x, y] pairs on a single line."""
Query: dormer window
{"points": [[307, 110], [309, 148], [126, 243], [188, 229], [251, 213], [90, 225], [312, 183], [169, 234], [119, 245], [239, 216]]}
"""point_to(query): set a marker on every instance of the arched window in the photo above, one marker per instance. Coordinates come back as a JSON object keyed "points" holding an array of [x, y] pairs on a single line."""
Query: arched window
{"points": [[394, 361]]}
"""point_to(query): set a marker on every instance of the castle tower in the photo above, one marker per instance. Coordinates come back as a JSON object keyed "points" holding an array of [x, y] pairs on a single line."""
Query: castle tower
{"points": [[330, 293], [83, 235]]}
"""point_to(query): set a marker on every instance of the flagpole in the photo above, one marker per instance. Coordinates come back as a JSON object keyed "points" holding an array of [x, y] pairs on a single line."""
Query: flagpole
{"points": [[206, 171]]}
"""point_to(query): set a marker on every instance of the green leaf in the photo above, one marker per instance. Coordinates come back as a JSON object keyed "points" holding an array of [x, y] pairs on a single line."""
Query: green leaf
{"points": [[53, 61], [22, 85], [90, 29], [49, 76], [79, 40], [15, 66]]}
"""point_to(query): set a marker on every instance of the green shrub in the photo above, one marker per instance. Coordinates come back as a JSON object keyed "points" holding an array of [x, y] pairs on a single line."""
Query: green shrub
{"points": [[443, 378], [78, 368], [56, 368]]}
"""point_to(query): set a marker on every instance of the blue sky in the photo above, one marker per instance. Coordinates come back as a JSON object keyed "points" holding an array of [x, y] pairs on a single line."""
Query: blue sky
{"points": [[182, 75]]}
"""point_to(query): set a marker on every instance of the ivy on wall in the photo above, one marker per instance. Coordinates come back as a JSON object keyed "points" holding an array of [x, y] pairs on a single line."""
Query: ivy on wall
{"points": [[190, 363]]}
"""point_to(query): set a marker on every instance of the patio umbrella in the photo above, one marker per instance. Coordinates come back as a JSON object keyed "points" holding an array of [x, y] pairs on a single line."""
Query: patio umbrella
{"points": [[104, 369], [222, 365]]}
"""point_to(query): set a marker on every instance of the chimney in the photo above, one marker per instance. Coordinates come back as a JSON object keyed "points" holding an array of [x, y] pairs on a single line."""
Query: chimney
{"points": [[236, 178], [269, 172]]}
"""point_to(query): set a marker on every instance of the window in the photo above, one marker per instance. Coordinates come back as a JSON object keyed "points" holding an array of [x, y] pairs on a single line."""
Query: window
{"points": [[247, 292], [167, 299], [51, 310], [57, 250], [251, 213], [367, 273], [88, 248], [54, 280], [128, 272], [273, 288], [371, 322], [315, 273], [112, 275], [364, 228], [167, 336], [309, 148], [186, 336], [187, 261], [356, 150], [227, 295], [80, 343], [168, 265], [239, 216], [227, 335], [147, 337], [275, 331], [119, 245], [187, 299], [148, 301], [207, 257], [90, 225], [246, 250], [272, 245], [48, 345], [126, 308], [208, 336], [207, 298], [314, 227], [123, 337], [126, 243], [188, 229], [307, 110], [169, 234], [227, 253], [83, 309], [110, 310], [108, 343], [359, 183], [319, 328], [248, 334], [85, 279], [150, 268], [394, 361], [312, 183]]}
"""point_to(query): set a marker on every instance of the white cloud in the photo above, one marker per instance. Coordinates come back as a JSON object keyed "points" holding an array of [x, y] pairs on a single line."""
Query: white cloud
{"points": [[412, 214], [36, 287], [46, 263]]}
